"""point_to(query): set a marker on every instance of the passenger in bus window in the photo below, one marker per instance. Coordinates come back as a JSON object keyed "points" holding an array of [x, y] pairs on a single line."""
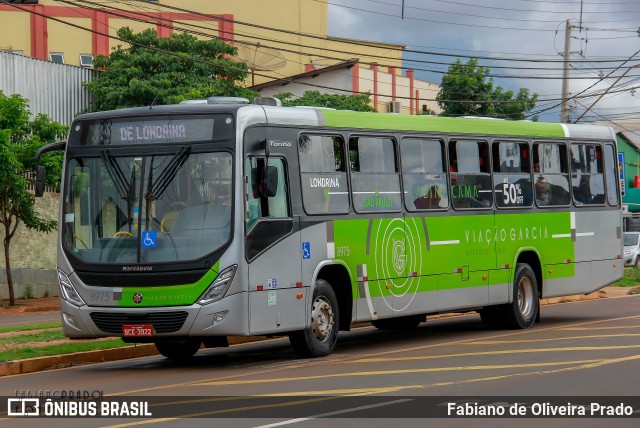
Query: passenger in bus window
{"points": [[582, 193], [542, 192], [429, 201]]}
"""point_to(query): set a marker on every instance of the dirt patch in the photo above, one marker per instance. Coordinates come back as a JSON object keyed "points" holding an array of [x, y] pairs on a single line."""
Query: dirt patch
{"points": [[30, 305]]}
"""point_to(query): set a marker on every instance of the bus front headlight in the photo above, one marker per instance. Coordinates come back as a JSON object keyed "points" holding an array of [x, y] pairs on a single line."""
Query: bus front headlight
{"points": [[67, 291], [219, 287]]}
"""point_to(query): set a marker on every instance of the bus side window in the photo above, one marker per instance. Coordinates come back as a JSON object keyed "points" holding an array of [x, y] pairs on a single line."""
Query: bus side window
{"points": [[423, 175], [470, 185], [512, 176], [259, 206], [587, 176], [323, 174], [611, 174], [551, 175], [375, 180]]}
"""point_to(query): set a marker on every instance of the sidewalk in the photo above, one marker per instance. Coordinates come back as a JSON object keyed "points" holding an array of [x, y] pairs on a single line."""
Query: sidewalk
{"points": [[36, 309]]}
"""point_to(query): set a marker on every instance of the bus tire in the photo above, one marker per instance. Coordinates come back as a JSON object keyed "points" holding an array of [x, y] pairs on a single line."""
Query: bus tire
{"points": [[522, 312], [319, 339], [399, 323], [178, 351]]}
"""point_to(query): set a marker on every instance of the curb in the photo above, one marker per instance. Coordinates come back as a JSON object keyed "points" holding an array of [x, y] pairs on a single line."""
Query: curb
{"points": [[30, 365], [39, 308]]}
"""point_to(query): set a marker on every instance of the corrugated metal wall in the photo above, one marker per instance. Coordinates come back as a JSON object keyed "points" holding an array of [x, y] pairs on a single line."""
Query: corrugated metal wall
{"points": [[52, 89]]}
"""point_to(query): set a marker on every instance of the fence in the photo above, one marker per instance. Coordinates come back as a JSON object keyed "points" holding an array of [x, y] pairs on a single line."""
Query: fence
{"points": [[53, 89]]}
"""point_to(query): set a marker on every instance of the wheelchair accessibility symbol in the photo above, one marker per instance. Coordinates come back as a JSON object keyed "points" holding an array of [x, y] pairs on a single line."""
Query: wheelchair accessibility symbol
{"points": [[149, 239]]}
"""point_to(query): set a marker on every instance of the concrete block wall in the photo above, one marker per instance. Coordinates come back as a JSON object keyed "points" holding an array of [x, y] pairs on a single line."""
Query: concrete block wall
{"points": [[33, 256]]}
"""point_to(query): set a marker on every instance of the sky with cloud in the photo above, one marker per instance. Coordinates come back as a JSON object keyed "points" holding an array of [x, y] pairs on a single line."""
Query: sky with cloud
{"points": [[521, 41]]}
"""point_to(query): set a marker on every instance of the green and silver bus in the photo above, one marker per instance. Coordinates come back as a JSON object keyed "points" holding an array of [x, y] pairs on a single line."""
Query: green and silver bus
{"points": [[182, 225]]}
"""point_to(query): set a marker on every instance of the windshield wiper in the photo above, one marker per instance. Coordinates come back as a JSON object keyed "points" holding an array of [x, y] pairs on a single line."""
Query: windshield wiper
{"points": [[166, 176], [116, 174]]}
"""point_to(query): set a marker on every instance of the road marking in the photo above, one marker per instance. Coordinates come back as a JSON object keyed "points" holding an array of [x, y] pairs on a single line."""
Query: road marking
{"points": [[505, 352], [392, 372], [552, 339], [540, 372], [367, 391], [348, 359], [615, 327], [337, 412]]}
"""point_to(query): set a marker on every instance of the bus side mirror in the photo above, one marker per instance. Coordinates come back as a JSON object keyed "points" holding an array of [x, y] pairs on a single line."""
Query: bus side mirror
{"points": [[40, 175], [270, 181]]}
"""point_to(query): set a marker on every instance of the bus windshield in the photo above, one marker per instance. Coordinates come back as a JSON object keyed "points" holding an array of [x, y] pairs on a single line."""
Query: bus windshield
{"points": [[147, 208]]}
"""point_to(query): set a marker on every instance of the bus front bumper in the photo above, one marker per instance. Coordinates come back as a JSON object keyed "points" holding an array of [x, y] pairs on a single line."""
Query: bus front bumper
{"points": [[222, 318]]}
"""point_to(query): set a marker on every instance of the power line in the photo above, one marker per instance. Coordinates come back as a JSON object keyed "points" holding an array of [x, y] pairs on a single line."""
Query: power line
{"points": [[222, 66], [458, 13], [253, 36], [363, 44], [468, 24]]}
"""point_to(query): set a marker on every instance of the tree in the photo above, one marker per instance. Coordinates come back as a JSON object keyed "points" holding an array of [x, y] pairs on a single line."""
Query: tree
{"points": [[360, 102], [19, 138], [465, 91], [156, 70]]}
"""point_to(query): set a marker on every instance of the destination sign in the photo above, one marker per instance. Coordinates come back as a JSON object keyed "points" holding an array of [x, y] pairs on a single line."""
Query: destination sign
{"points": [[155, 130]]}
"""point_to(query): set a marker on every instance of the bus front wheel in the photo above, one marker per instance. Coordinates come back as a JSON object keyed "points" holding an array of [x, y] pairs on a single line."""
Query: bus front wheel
{"points": [[319, 339], [178, 351]]}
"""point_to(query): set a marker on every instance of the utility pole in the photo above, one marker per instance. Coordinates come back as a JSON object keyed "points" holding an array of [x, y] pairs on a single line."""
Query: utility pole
{"points": [[564, 109]]}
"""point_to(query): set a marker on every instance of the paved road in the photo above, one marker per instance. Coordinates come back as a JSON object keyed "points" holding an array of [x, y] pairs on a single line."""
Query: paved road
{"points": [[30, 318], [579, 349]]}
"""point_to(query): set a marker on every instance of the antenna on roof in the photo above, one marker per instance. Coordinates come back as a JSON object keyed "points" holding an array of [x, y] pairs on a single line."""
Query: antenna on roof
{"points": [[153, 102]]}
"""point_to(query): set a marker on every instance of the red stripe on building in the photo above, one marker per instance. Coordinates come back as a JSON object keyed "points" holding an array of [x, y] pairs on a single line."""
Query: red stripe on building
{"points": [[164, 26], [412, 110], [355, 79], [39, 48], [374, 67], [392, 71], [100, 40]]}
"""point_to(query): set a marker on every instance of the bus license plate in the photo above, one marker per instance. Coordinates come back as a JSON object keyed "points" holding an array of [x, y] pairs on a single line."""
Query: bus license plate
{"points": [[137, 330]]}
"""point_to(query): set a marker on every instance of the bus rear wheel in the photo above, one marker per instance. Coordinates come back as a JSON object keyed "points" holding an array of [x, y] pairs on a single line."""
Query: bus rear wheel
{"points": [[523, 311], [178, 351], [319, 339]]}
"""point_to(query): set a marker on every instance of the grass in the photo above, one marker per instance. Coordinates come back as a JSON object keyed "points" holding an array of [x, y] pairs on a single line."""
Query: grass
{"points": [[66, 348], [631, 278], [30, 327], [21, 339], [16, 347]]}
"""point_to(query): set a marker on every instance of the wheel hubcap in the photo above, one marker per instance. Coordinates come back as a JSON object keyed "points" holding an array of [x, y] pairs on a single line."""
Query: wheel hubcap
{"points": [[321, 319], [525, 297]]}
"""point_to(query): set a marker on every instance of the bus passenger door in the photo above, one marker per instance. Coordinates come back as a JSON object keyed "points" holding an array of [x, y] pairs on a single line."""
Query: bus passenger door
{"points": [[272, 249]]}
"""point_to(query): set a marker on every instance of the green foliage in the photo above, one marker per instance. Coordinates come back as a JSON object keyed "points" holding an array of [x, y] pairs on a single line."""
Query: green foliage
{"points": [[28, 292], [19, 138], [465, 91], [359, 102], [154, 70]]}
